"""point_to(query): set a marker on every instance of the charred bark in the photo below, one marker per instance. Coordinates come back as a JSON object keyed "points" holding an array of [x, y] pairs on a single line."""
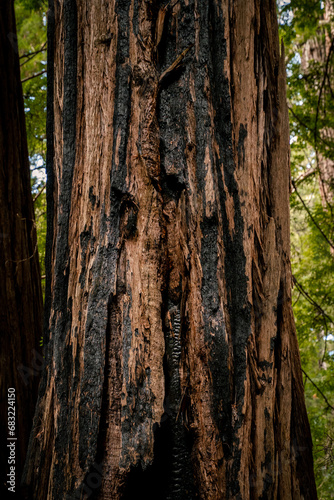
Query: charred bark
{"points": [[20, 288], [172, 364]]}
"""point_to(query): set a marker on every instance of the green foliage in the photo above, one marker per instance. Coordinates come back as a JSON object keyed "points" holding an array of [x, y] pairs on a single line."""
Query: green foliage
{"points": [[39, 196], [299, 20], [31, 32], [311, 104], [313, 268], [310, 83]]}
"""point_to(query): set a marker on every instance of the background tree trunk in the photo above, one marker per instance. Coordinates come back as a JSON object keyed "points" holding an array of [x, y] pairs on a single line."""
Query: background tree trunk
{"points": [[172, 362], [20, 288], [320, 49]]}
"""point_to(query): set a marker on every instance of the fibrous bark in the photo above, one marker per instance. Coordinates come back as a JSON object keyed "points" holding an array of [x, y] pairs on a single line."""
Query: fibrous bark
{"points": [[172, 362], [20, 288]]}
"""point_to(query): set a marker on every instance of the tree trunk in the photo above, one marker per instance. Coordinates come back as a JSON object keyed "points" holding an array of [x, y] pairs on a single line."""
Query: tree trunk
{"points": [[173, 369], [20, 288], [320, 50]]}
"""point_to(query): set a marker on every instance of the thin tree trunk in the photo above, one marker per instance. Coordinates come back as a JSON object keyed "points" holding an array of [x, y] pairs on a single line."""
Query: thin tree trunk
{"points": [[173, 369], [20, 288]]}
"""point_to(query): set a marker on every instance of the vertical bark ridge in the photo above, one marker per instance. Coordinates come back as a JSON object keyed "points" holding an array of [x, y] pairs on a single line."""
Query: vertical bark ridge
{"points": [[61, 305], [104, 308]]}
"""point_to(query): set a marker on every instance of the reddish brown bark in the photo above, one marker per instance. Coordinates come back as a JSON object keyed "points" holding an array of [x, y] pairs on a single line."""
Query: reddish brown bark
{"points": [[20, 290], [172, 367]]}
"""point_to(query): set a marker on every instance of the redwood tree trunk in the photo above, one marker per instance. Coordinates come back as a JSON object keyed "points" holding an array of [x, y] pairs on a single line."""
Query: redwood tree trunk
{"points": [[320, 50], [173, 369], [20, 287]]}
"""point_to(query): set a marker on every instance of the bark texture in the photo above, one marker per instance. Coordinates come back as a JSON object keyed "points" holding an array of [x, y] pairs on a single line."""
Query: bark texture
{"points": [[173, 369], [20, 289]]}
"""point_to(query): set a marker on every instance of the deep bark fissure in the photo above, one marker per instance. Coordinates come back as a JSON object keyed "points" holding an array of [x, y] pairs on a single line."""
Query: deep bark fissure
{"points": [[176, 405]]}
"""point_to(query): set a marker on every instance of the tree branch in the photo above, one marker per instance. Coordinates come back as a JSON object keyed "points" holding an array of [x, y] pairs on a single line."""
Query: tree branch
{"points": [[33, 76], [39, 193], [31, 55], [318, 307], [304, 176], [41, 167], [303, 124], [311, 216], [302, 290], [330, 86], [319, 390]]}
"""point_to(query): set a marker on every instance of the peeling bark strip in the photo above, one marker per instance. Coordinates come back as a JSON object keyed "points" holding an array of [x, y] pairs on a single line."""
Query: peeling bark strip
{"points": [[173, 366]]}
